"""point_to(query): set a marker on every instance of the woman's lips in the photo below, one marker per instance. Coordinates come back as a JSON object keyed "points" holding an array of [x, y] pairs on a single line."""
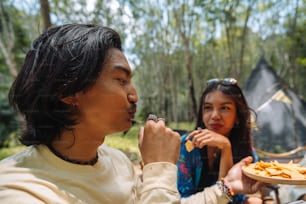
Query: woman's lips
{"points": [[215, 126]]}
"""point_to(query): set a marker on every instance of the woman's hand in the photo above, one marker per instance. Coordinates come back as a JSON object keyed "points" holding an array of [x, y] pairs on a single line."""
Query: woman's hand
{"points": [[205, 137]]}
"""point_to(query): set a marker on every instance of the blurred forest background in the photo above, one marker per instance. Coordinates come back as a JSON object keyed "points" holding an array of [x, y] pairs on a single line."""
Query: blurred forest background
{"points": [[174, 46]]}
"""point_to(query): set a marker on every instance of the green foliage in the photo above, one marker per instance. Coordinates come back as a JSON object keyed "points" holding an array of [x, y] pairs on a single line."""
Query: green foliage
{"points": [[14, 37], [15, 21], [8, 124]]}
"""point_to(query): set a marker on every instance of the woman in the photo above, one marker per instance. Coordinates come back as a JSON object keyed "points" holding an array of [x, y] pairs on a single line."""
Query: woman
{"points": [[221, 137]]}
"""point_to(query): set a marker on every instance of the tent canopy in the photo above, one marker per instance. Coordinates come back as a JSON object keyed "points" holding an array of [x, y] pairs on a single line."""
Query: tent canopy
{"points": [[280, 122]]}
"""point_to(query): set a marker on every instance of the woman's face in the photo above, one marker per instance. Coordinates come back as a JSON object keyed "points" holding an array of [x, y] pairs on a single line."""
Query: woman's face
{"points": [[109, 106], [219, 112]]}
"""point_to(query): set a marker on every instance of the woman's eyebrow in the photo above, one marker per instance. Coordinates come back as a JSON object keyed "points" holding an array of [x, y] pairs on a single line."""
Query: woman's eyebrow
{"points": [[228, 103], [223, 103]]}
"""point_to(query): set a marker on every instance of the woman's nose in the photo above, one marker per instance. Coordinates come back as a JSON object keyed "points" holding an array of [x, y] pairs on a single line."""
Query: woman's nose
{"points": [[215, 114]]}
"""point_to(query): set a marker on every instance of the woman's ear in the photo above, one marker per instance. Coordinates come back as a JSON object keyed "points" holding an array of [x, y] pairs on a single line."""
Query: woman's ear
{"points": [[237, 122]]}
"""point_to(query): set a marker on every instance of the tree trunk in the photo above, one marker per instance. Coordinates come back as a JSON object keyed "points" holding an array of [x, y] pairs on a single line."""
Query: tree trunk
{"points": [[7, 42], [9, 60], [191, 84], [293, 50], [243, 37], [45, 13], [188, 56]]}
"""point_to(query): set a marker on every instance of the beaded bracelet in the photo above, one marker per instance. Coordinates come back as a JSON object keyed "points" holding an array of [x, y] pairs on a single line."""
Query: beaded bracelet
{"points": [[229, 193]]}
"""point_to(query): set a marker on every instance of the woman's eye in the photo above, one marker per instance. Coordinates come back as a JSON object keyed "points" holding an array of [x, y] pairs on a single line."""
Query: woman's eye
{"points": [[207, 107], [225, 108]]}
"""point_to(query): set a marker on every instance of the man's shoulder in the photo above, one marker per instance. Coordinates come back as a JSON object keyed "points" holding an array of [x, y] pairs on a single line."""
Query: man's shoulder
{"points": [[105, 150], [17, 158]]}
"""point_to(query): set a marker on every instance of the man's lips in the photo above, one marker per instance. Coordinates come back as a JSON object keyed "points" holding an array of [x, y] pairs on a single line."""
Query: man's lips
{"points": [[132, 115], [133, 110]]}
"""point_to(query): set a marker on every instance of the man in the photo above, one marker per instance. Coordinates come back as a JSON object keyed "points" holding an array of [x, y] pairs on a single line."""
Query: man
{"points": [[73, 90]]}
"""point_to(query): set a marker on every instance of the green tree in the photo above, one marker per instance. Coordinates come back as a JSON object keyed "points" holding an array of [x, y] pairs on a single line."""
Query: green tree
{"points": [[13, 42]]}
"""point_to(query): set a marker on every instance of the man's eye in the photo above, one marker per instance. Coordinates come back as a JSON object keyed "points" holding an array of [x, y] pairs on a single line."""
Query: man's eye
{"points": [[122, 81]]}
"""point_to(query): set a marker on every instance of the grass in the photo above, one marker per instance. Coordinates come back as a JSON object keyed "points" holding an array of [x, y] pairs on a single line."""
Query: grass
{"points": [[128, 143]]}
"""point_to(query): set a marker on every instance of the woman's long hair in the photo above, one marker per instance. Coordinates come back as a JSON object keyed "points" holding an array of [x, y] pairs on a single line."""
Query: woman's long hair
{"points": [[240, 135]]}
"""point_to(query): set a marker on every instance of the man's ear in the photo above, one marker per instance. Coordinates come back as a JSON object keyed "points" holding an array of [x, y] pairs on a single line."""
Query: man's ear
{"points": [[70, 100]]}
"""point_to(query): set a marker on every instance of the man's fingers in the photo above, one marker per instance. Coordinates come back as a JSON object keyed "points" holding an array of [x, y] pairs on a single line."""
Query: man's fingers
{"points": [[140, 136], [163, 120], [246, 161]]}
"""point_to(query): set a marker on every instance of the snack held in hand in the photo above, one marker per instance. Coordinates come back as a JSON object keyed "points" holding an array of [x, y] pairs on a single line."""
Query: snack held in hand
{"points": [[189, 146]]}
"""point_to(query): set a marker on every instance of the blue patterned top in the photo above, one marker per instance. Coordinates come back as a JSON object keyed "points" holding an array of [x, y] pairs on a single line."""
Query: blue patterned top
{"points": [[190, 166]]}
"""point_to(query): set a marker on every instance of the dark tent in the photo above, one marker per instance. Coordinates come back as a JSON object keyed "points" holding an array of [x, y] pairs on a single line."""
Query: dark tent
{"points": [[281, 114]]}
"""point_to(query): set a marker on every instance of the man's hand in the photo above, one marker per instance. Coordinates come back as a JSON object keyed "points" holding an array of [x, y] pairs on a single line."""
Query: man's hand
{"points": [[240, 183], [157, 143]]}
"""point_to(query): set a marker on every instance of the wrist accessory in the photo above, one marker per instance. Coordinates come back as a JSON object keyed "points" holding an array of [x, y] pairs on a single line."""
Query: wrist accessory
{"points": [[228, 192]]}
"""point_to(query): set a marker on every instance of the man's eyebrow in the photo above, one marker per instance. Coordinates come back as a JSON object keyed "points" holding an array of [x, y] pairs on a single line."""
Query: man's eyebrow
{"points": [[124, 69]]}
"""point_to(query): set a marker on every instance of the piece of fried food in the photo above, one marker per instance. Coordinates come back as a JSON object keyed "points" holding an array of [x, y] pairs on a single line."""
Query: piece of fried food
{"points": [[189, 146], [274, 169]]}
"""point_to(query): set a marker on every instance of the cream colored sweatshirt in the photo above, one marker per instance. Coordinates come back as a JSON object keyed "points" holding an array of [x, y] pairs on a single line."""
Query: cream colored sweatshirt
{"points": [[36, 175]]}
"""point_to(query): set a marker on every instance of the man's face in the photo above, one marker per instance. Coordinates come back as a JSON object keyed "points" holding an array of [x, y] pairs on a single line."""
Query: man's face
{"points": [[109, 106]]}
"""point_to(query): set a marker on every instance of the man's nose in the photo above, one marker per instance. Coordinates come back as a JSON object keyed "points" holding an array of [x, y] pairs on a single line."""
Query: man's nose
{"points": [[132, 96]]}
